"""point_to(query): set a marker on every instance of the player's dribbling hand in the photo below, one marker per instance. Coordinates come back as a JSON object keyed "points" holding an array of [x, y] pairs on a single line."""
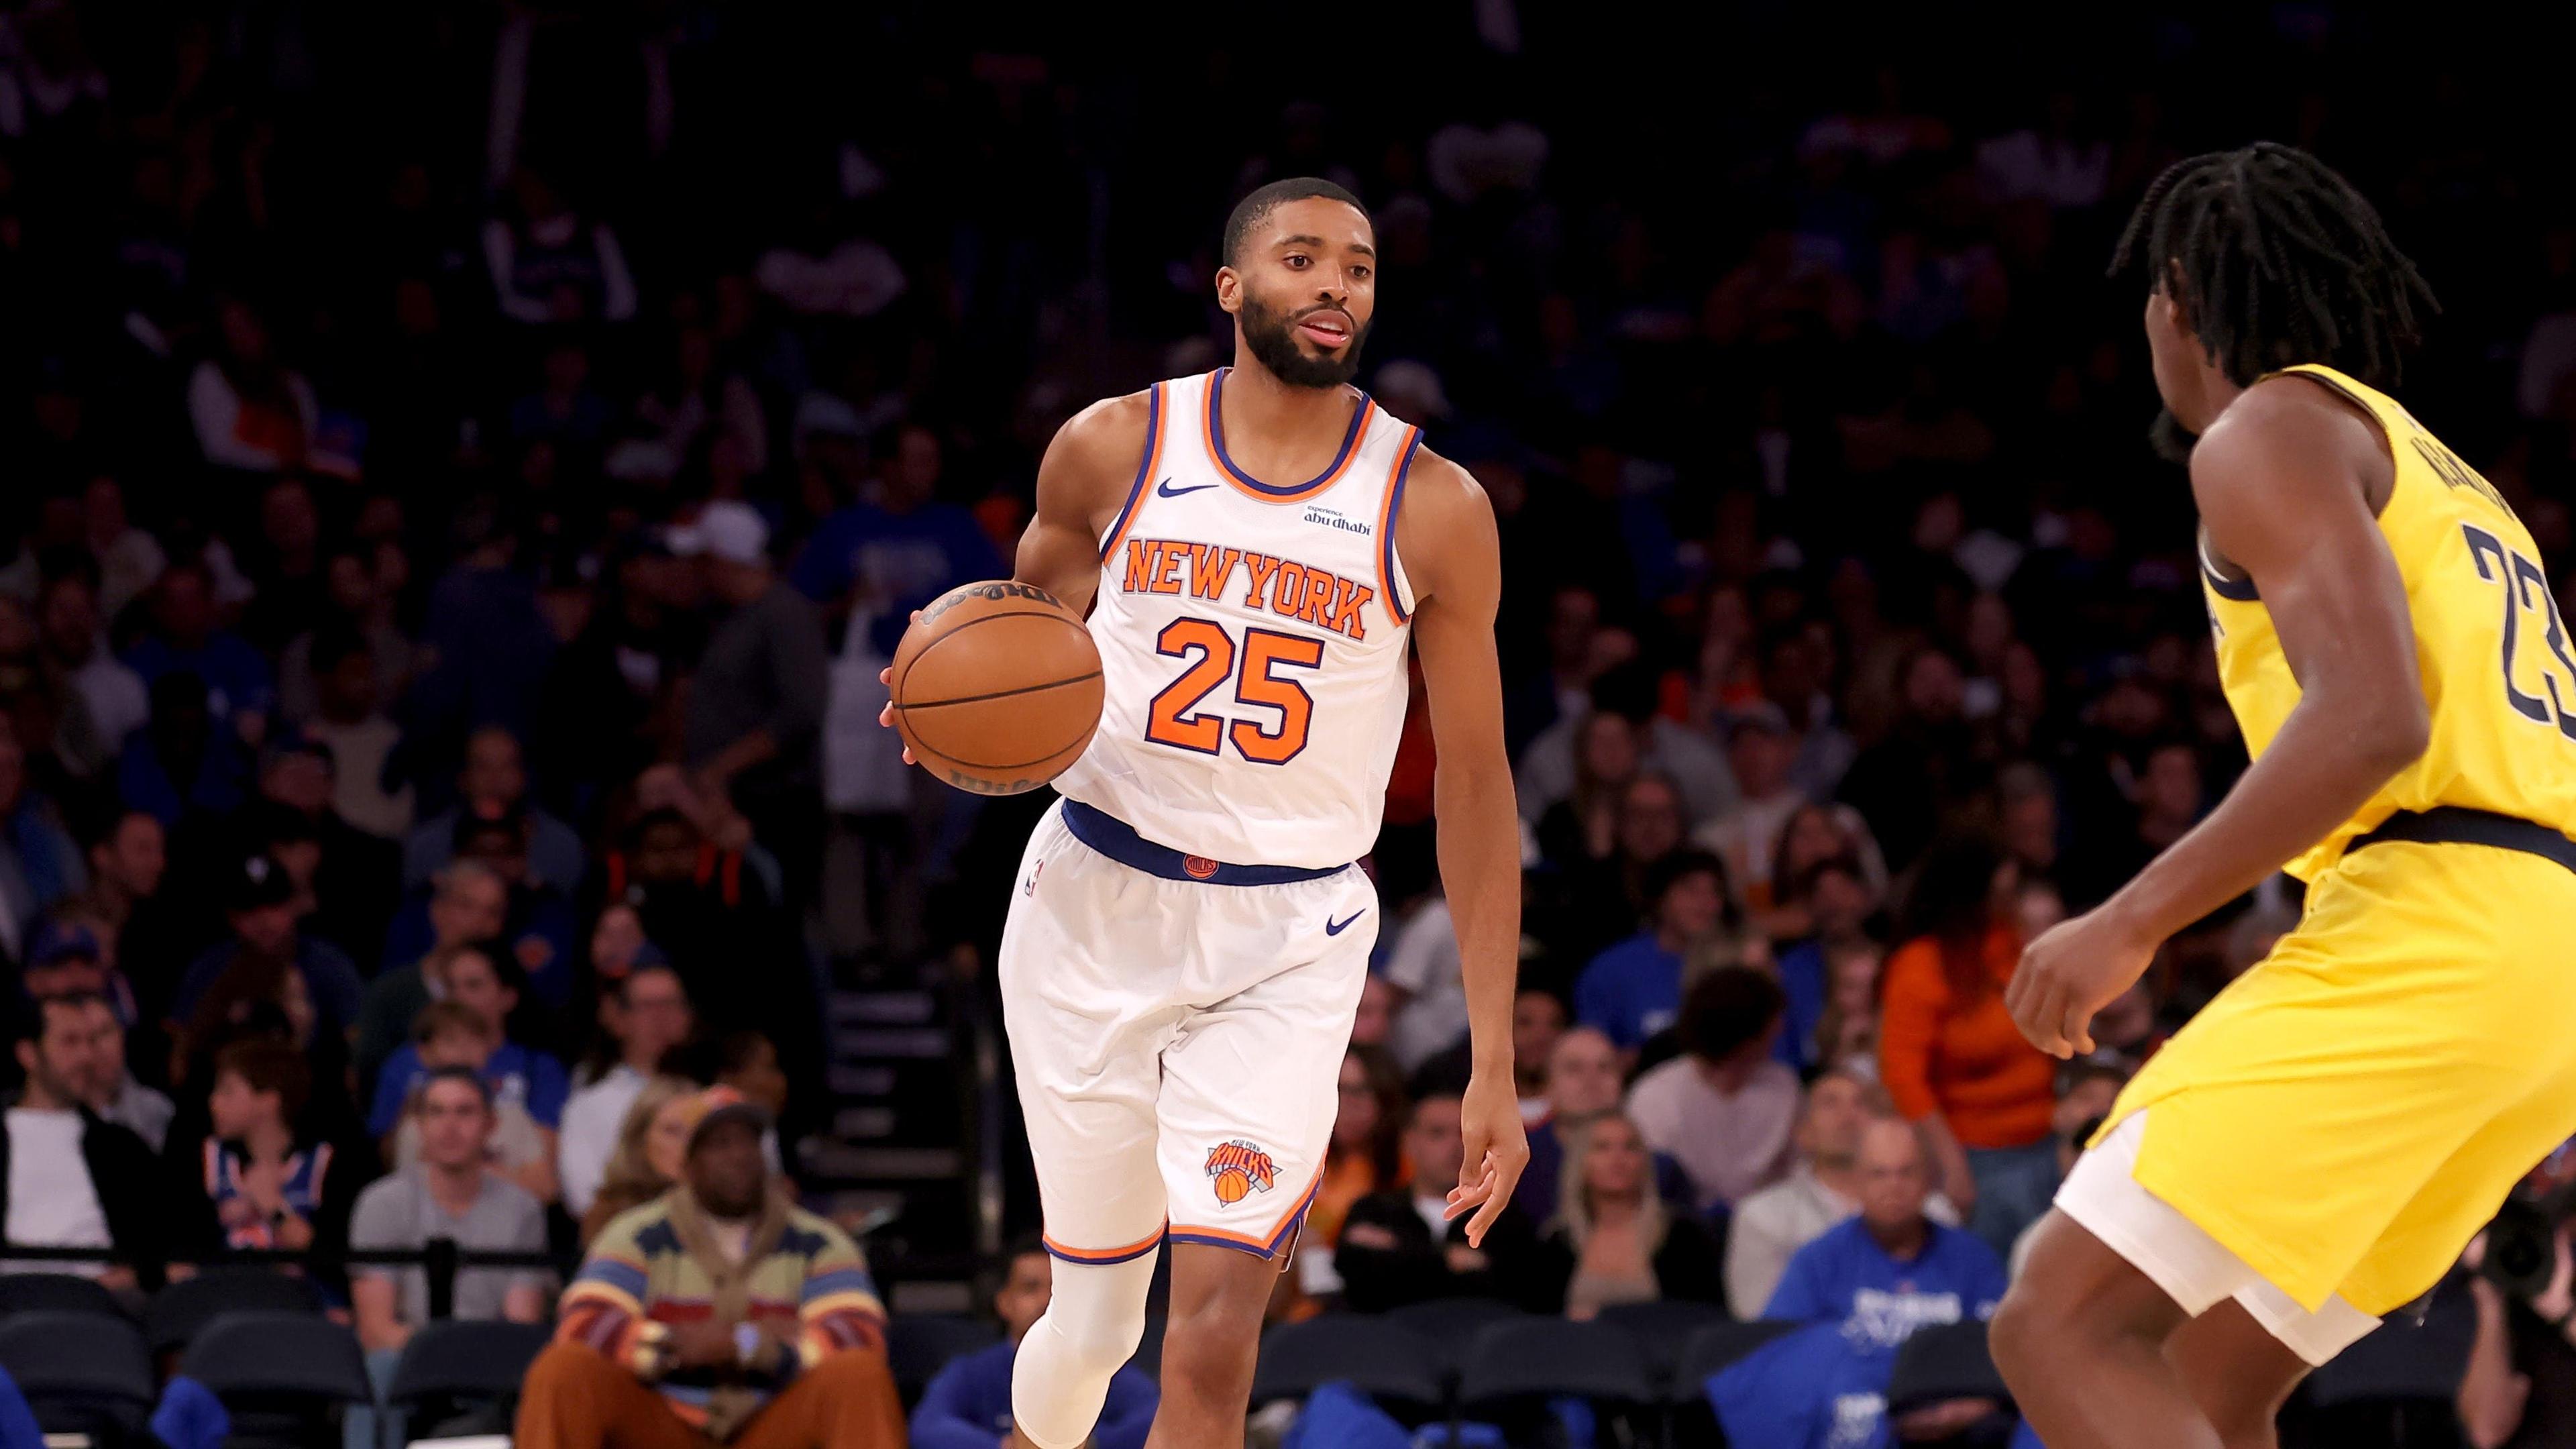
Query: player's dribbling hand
{"points": [[1497, 1148], [2072, 971], [885, 715]]}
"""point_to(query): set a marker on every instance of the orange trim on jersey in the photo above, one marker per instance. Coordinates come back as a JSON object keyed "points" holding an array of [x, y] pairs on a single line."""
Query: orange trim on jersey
{"points": [[1212, 432], [1267, 1244], [1387, 510], [1154, 431], [1104, 1256]]}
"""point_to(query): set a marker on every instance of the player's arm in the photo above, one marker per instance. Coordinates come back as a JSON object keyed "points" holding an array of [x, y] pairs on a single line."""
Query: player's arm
{"points": [[1083, 481], [1454, 559], [2283, 484]]}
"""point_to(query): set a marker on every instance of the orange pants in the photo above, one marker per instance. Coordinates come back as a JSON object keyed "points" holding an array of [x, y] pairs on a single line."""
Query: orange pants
{"points": [[575, 1398]]}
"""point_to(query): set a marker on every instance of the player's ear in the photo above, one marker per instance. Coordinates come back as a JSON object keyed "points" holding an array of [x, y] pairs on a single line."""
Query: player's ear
{"points": [[1229, 289], [2170, 296]]}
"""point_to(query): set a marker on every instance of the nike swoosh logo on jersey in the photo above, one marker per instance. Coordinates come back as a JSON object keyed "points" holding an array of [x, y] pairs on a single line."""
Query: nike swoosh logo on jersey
{"points": [[1166, 489], [1335, 928]]}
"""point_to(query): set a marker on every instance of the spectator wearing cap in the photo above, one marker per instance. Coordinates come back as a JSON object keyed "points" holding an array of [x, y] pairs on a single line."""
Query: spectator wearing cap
{"points": [[2016, 1197], [645, 1016], [539, 926], [494, 784], [444, 1192], [756, 703], [348, 720], [468, 902], [39, 863], [187, 638], [1948, 1050], [718, 1309], [68, 1178], [483, 984], [968, 1403], [1634, 989], [1822, 1189], [69, 956], [264, 917], [75, 642], [1724, 1109]]}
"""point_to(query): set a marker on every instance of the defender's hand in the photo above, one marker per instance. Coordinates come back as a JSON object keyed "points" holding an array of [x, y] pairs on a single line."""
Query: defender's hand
{"points": [[2072, 971], [1497, 1148]]}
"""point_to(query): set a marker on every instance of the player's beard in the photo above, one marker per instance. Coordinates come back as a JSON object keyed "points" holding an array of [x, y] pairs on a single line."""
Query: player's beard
{"points": [[1273, 340], [2171, 440]]}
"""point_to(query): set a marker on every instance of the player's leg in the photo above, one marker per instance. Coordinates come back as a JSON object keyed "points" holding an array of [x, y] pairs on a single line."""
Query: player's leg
{"points": [[1249, 1095], [1078, 1002], [2081, 1341], [2237, 1371]]}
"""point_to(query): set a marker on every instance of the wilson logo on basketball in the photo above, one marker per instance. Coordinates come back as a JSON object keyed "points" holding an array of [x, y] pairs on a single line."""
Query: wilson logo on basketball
{"points": [[1198, 866], [1239, 1170]]}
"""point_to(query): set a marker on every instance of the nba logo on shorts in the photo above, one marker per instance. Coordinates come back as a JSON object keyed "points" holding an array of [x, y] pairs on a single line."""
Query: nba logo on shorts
{"points": [[1198, 866], [1240, 1169]]}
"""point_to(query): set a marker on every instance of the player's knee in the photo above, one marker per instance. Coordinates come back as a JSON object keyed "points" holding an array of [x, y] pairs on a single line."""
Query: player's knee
{"points": [[2029, 1326]]}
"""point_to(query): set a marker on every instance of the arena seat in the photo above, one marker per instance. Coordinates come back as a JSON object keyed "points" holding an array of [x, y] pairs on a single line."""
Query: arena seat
{"points": [[1376, 1355], [82, 1373]]}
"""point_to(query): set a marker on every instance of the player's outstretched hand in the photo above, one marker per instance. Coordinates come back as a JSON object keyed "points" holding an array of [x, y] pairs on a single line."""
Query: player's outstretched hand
{"points": [[2072, 971], [885, 715], [1497, 1148]]}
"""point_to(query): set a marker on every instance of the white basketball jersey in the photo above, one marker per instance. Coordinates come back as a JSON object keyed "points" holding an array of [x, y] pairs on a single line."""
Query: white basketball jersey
{"points": [[1251, 643]]}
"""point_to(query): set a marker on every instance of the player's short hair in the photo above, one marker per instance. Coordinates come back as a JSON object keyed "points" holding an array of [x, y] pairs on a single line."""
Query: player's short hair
{"points": [[1727, 1010], [2279, 261], [1252, 210]]}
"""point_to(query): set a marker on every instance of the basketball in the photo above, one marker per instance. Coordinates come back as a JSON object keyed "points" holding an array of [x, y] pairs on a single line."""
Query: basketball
{"points": [[996, 687]]}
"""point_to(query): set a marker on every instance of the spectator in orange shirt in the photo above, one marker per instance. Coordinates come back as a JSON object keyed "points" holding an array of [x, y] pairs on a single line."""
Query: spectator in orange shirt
{"points": [[1948, 1050]]}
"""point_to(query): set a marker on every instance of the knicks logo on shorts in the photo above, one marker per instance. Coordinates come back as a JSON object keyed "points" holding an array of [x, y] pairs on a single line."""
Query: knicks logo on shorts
{"points": [[1240, 1169], [1198, 866]]}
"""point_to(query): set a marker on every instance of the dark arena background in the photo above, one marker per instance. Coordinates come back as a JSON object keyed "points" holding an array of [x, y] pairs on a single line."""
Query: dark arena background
{"points": [[463, 466]]}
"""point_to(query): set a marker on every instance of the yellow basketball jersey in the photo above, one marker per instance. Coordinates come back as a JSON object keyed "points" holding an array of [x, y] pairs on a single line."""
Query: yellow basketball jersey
{"points": [[2498, 666]]}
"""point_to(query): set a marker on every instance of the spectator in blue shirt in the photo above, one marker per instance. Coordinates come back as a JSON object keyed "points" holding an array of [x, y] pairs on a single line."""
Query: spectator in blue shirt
{"points": [[483, 979], [493, 784], [1890, 1270], [1634, 989], [893, 555], [968, 1406], [184, 761], [542, 927], [240, 691]]}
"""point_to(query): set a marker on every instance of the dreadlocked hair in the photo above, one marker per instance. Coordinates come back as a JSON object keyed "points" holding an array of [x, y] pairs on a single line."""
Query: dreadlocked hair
{"points": [[2279, 262]]}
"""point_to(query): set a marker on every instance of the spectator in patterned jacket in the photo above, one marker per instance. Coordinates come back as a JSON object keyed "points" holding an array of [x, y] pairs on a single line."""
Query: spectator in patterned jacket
{"points": [[719, 1311]]}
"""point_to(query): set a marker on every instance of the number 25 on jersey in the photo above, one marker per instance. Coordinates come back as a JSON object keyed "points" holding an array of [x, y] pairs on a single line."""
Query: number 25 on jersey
{"points": [[1255, 668], [2526, 590]]}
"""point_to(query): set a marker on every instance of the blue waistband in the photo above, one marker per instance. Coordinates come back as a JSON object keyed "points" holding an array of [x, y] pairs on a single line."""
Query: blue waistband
{"points": [[1119, 841]]}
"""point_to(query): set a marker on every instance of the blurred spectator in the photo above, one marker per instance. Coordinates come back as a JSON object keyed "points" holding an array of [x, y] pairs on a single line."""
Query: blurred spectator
{"points": [[1431, 990], [617, 944], [1890, 1269], [968, 1405], [494, 784], [1690, 759], [1948, 1050], [1847, 1032], [539, 929], [75, 642], [129, 559], [468, 902], [1583, 1083], [453, 1034], [548, 264], [444, 1193], [126, 860], [2030, 822], [1724, 1109], [1925, 766], [1613, 1239], [1598, 898], [2014, 1199], [268, 1180], [480, 977], [1584, 825], [1634, 989], [1538, 1022], [1402, 1246], [358, 608], [1373, 1020], [185, 763], [39, 863], [757, 698], [1830, 901], [346, 720], [261, 907], [885, 557], [1760, 748], [74, 1180], [114, 1094], [747, 1062], [251, 411], [711, 912], [652, 1148], [751, 1316], [1364, 1155], [348, 873], [1823, 1189], [187, 637], [644, 1016]]}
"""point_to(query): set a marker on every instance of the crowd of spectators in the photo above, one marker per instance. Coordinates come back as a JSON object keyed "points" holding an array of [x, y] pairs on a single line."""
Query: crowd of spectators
{"points": [[463, 471]]}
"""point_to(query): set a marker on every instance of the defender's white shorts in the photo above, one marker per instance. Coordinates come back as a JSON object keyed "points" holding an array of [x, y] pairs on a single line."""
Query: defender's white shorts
{"points": [[1178, 1036], [2194, 1269]]}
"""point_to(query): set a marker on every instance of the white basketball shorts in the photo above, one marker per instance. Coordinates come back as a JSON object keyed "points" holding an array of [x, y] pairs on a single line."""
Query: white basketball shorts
{"points": [[1177, 1025]]}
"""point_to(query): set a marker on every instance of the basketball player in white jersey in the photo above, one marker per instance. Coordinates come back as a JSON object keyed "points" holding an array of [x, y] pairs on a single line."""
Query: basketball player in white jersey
{"points": [[1188, 933]]}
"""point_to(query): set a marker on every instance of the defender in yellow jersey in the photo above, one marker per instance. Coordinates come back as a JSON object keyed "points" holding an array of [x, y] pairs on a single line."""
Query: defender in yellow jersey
{"points": [[2318, 1146]]}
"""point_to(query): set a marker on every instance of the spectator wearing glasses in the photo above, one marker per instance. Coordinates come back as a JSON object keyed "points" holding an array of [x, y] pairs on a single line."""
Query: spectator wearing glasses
{"points": [[644, 1016]]}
